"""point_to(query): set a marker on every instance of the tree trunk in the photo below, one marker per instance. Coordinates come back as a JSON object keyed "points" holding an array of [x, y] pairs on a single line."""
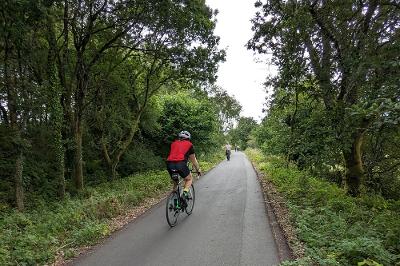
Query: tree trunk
{"points": [[82, 80], [114, 159], [61, 173], [19, 187], [58, 149], [78, 166], [112, 164], [56, 109], [114, 172], [57, 140], [353, 160], [12, 107]]}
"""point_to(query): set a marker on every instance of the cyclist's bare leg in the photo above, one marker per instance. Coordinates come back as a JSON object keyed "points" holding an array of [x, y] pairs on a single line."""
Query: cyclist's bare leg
{"points": [[188, 181]]}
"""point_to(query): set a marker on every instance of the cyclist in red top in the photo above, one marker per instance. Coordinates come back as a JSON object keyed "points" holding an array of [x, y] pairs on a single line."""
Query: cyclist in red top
{"points": [[182, 151]]}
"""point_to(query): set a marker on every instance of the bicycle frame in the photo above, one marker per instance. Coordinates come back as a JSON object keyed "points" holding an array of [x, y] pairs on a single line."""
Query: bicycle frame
{"points": [[176, 208]]}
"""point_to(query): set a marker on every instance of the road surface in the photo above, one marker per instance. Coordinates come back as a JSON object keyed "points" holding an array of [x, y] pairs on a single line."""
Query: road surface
{"points": [[228, 226]]}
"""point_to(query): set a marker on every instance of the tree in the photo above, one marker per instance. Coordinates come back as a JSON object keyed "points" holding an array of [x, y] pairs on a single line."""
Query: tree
{"points": [[21, 78], [240, 135], [345, 47], [174, 34], [296, 126], [183, 111], [93, 33], [228, 107], [182, 48], [54, 91]]}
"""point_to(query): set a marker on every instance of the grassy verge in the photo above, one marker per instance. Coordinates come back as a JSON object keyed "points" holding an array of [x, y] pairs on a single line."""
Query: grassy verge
{"points": [[335, 228], [38, 236], [210, 161]]}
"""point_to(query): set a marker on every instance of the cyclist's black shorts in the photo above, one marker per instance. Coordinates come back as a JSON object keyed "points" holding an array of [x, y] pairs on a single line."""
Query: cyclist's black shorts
{"points": [[181, 167]]}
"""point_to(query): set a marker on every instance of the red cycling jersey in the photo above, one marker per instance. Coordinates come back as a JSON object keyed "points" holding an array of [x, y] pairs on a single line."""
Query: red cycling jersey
{"points": [[180, 151]]}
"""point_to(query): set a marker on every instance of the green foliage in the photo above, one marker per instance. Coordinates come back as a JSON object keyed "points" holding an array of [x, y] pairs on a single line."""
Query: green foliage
{"points": [[139, 158], [302, 134], [241, 134], [336, 229], [181, 111], [76, 93], [208, 161], [337, 82], [228, 107], [369, 263], [381, 161]]}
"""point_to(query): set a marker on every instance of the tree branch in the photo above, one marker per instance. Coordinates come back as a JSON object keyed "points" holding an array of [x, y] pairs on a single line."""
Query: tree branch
{"points": [[366, 24], [105, 150], [326, 31]]}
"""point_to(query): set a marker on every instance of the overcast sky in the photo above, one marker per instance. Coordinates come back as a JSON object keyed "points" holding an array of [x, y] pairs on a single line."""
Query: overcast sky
{"points": [[240, 75]]}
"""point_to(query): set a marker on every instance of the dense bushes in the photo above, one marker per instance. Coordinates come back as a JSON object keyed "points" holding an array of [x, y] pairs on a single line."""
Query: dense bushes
{"points": [[337, 229], [138, 159]]}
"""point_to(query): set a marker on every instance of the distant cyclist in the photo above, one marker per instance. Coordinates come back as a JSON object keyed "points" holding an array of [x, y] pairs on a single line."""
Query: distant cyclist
{"points": [[181, 151], [228, 151]]}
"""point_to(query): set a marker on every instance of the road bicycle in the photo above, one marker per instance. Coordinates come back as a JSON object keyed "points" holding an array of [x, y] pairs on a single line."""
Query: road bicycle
{"points": [[176, 204]]}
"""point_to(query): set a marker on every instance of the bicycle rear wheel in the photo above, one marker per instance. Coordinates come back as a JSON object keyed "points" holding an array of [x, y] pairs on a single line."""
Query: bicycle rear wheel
{"points": [[172, 208], [190, 200]]}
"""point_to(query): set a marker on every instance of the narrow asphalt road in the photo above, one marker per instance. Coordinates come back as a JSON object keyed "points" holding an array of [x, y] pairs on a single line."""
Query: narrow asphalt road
{"points": [[228, 226]]}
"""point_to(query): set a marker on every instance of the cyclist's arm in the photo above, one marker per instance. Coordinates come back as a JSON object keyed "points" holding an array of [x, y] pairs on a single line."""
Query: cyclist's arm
{"points": [[192, 158]]}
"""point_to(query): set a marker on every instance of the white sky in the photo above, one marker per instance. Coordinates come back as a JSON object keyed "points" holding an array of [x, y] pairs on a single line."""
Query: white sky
{"points": [[240, 75]]}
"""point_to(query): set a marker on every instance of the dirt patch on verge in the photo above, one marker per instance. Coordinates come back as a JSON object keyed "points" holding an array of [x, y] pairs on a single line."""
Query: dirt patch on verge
{"points": [[289, 246]]}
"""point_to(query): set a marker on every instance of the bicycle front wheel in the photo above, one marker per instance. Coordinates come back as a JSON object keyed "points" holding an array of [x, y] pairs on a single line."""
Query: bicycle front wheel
{"points": [[172, 208], [190, 200]]}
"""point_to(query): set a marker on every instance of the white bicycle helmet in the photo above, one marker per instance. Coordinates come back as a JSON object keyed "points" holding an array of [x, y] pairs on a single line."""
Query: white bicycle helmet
{"points": [[184, 135]]}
